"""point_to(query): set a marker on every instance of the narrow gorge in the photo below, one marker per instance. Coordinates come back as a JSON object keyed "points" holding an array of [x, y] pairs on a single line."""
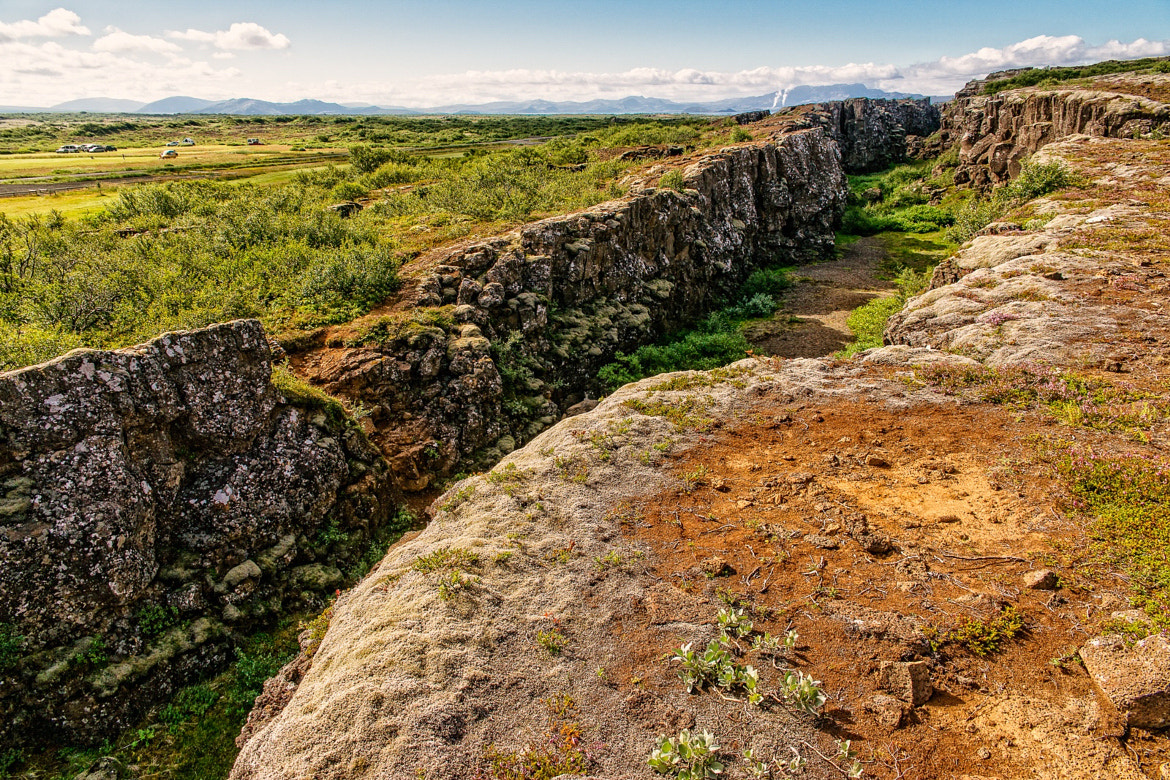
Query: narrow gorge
{"points": [[902, 544]]}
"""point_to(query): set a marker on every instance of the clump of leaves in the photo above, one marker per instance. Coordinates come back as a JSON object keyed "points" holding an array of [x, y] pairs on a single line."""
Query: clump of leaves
{"points": [[156, 618], [552, 639], [688, 756], [11, 646], [446, 558], [981, 637], [672, 180], [803, 692]]}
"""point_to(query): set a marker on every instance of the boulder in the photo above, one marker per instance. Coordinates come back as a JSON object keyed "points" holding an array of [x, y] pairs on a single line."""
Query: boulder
{"points": [[1136, 679]]}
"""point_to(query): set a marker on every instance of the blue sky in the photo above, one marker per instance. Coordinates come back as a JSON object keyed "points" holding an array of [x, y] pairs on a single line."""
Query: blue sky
{"points": [[471, 51]]}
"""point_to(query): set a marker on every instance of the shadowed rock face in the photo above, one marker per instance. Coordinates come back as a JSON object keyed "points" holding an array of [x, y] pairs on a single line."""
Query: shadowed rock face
{"points": [[995, 133], [875, 134], [156, 500]]}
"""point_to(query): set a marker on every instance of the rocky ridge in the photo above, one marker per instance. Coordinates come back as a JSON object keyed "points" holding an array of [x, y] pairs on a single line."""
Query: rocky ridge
{"points": [[158, 501], [995, 133], [494, 341], [618, 535]]}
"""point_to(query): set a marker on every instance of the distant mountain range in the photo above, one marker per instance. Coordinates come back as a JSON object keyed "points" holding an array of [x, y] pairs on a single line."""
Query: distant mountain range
{"points": [[181, 104]]}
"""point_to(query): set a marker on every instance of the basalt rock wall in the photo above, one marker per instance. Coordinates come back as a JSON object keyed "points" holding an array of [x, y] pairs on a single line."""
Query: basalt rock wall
{"points": [[996, 133], [155, 502], [875, 134], [508, 333]]}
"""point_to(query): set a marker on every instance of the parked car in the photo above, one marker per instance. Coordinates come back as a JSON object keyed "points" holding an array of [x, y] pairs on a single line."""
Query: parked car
{"points": [[167, 154], [172, 143], [255, 142], [188, 142], [68, 149]]}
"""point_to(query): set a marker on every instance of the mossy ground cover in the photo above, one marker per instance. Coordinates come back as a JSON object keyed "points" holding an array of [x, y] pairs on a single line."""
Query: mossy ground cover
{"points": [[189, 738], [1125, 500]]}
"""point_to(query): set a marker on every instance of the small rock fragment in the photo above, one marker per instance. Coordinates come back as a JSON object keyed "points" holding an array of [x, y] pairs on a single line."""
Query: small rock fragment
{"points": [[822, 542], [877, 462], [715, 566], [909, 681], [887, 711], [1041, 579]]}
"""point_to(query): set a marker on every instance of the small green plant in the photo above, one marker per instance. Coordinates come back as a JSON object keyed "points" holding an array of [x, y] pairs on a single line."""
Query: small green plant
{"points": [[330, 534], [847, 758], [672, 180], [734, 622], [156, 618], [189, 703], [611, 558], [94, 654], [560, 753], [552, 640], [11, 646], [739, 135], [454, 584], [802, 692], [446, 558], [980, 637], [755, 768], [457, 498], [688, 756]]}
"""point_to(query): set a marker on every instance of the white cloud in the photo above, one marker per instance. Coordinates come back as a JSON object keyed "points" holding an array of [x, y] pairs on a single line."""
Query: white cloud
{"points": [[48, 73], [116, 40], [241, 35], [947, 74], [57, 23], [937, 77]]}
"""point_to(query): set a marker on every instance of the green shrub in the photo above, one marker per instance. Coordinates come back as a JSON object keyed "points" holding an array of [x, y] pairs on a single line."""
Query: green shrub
{"points": [[188, 704], [1033, 181], [348, 190], [353, 281], [868, 321], [156, 618], [672, 180], [367, 159]]}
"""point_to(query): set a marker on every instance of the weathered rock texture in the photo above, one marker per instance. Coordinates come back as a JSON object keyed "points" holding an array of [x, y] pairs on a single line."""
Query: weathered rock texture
{"points": [[1080, 287], [995, 133], [1136, 679], [419, 676], [874, 134], [157, 500], [508, 333]]}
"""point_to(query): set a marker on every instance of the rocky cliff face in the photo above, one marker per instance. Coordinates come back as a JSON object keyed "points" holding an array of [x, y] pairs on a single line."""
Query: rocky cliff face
{"points": [[507, 333], [874, 134], [156, 501], [995, 133]]}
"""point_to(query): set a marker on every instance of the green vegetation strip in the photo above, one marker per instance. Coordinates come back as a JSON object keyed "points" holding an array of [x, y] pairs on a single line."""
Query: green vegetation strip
{"points": [[1046, 77], [715, 341]]}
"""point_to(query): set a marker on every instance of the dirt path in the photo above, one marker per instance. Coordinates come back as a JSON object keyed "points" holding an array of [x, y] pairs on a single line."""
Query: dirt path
{"points": [[812, 322]]}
